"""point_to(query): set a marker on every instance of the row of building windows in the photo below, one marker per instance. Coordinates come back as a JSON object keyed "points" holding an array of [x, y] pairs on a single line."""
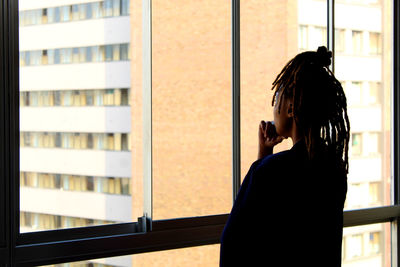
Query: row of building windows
{"points": [[93, 10], [74, 55], [96, 141], [103, 97], [361, 245], [348, 41], [106, 185], [363, 93], [40, 221]]}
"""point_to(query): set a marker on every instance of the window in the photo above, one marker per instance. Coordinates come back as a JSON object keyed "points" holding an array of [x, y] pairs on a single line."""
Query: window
{"points": [[374, 93], [373, 140], [108, 7], [374, 243], [193, 64], [340, 40], [97, 10], [65, 13], [320, 37], [356, 144], [75, 12], [354, 246], [357, 39], [125, 7], [375, 193], [375, 43], [303, 37], [354, 93]]}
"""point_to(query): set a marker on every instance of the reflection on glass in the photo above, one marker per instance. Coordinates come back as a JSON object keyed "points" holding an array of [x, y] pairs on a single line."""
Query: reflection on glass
{"points": [[75, 135]]}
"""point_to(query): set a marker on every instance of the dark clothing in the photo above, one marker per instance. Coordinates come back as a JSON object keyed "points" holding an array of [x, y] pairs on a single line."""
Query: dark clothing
{"points": [[289, 212]]}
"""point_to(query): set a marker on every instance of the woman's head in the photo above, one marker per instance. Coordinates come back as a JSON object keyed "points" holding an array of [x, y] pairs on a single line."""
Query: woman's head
{"points": [[308, 95]]}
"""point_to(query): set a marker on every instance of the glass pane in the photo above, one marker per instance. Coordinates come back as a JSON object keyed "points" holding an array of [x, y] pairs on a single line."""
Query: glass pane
{"points": [[367, 246], [265, 49], [75, 117], [191, 108], [194, 256], [363, 64], [122, 261]]}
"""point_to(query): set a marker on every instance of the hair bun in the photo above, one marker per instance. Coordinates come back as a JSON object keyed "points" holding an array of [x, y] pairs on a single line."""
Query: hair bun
{"points": [[324, 56]]}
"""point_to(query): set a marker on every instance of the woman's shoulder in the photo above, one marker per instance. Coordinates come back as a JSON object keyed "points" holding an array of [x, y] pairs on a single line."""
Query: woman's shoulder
{"points": [[272, 162]]}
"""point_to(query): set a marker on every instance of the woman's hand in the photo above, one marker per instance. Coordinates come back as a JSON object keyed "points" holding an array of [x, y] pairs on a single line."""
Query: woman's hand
{"points": [[267, 138]]}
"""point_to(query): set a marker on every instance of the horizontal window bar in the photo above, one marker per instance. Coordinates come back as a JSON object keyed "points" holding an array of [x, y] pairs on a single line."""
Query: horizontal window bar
{"points": [[167, 234], [370, 215], [123, 239]]}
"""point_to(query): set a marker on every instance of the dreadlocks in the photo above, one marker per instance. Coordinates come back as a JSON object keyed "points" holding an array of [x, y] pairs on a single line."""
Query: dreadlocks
{"points": [[319, 104]]}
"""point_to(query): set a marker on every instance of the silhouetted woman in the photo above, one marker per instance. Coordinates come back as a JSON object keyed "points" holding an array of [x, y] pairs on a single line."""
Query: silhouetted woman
{"points": [[289, 210]]}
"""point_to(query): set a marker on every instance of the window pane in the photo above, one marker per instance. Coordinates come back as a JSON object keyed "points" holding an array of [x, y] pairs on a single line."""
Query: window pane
{"points": [[122, 261], [75, 118], [367, 246], [191, 108], [366, 73], [194, 256], [300, 26]]}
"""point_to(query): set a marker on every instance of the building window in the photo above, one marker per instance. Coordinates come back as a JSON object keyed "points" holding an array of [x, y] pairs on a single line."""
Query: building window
{"points": [[356, 143], [354, 246], [303, 37], [321, 36], [374, 243], [340, 39], [375, 43], [354, 93], [65, 13], [374, 193], [372, 143], [357, 39], [374, 93]]}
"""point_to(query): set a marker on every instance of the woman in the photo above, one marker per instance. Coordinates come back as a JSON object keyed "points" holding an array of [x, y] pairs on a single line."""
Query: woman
{"points": [[289, 210]]}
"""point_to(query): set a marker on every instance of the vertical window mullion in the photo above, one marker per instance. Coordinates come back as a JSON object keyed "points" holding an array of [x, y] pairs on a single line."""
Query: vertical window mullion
{"points": [[3, 157], [331, 30], [395, 228], [10, 124], [147, 114], [235, 97]]}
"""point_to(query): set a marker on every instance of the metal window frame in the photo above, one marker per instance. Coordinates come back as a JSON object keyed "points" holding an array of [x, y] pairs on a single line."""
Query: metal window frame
{"points": [[147, 116], [49, 247], [4, 248], [235, 33], [395, 226]]}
